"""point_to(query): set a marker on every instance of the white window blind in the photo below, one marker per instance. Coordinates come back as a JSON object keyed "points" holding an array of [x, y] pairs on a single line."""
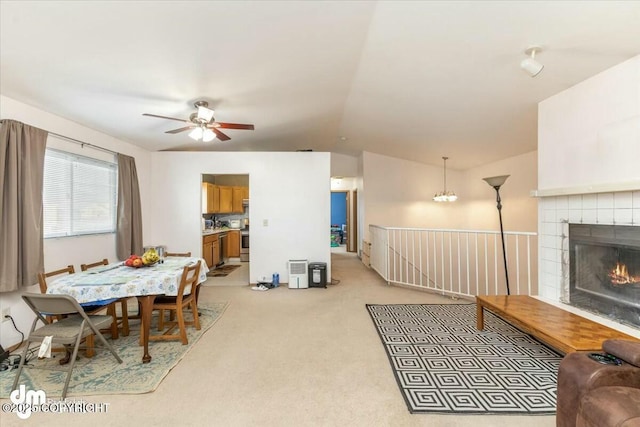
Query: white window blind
{"points": [[79, 196]]}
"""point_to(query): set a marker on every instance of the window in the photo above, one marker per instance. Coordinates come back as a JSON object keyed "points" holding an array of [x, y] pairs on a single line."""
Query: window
{"points": [[79, 196]]}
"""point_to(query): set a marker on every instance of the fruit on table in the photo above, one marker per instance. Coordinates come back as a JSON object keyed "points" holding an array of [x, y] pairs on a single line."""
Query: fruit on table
{"points": [[129, 262], [150, 257]]}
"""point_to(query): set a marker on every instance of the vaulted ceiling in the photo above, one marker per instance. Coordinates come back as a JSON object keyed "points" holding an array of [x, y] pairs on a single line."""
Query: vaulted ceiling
{"points": [[409, 79]]}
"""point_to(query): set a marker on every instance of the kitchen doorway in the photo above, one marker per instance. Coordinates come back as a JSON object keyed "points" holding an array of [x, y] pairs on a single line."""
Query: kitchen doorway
{"points": [[225, 228]]}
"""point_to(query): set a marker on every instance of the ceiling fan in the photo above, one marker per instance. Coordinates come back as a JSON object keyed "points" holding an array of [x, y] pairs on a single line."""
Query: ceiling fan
{"points": [[202, 124]]}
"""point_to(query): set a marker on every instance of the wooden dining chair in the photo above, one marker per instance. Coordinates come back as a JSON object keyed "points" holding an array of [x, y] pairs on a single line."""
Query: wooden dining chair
{"points": [[123, 320], [88, 308], [182, 254], [42, 281], [188, 283]]}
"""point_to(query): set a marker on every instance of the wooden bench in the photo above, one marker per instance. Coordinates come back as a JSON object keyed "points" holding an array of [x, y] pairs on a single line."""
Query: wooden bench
{"points": [[558, 328]]}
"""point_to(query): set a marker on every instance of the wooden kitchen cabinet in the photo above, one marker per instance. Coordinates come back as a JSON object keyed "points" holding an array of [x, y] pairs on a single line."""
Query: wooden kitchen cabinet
{"points": [[238, 194], [216, 251], [226, 199], [245, 193], [233, 243], [210, 198], [213, 193], [208, 250]]}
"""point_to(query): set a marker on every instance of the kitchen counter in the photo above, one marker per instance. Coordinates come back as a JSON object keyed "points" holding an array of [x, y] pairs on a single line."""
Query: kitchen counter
{"points": [[210, 231]]}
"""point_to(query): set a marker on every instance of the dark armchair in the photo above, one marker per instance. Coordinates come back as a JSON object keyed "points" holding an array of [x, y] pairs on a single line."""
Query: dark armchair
{"points": [[591, 394]]}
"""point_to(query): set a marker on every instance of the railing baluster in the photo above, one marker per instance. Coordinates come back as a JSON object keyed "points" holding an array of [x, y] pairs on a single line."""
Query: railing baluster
{"points": [[406, 255], [486, 265], [528, 265], [442, 279], [435, 257], [517, 265], [468, 278], [426, 245], [459, 277], [420, 255], [477, 271], [450, 262]]}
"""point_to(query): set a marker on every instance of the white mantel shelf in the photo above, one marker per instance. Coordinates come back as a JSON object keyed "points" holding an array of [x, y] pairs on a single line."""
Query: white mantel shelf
{"points": [[588, 189]]}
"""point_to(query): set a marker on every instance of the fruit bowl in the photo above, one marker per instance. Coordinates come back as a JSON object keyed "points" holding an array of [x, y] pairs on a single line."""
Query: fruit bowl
{"points": [[136, 261]]}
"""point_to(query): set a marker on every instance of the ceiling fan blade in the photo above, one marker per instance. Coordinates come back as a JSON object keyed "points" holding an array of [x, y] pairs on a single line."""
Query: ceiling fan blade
{"points": [[165, 117], [221, 136], [180, 129], [232, 126]]}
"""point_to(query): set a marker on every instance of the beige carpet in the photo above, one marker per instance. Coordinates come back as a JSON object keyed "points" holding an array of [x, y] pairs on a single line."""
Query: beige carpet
{"points": [[286, 357]]}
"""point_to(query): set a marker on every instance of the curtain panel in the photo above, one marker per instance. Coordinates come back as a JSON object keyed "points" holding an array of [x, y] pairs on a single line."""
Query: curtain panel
{"points": [[22, 151], [129, 216]]}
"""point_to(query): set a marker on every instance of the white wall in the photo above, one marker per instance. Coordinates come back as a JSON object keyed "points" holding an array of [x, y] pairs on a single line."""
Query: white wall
{"points": [[290, 191], [519, 209], [61, 252], [589, 141], [343, 165], [399, 193], [590, 134]]}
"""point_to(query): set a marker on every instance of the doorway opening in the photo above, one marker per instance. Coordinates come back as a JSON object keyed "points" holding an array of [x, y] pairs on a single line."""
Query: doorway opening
{"points": [[225, 228], [343, 215]]}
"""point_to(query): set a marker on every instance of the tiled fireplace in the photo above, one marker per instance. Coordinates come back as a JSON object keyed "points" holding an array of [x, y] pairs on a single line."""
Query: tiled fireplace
{"points": [[559, 218], [604, 270]]}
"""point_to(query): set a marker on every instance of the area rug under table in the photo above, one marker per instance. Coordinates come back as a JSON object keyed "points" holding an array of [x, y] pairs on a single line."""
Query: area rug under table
{"points": [[443, 364], [102, 374]]}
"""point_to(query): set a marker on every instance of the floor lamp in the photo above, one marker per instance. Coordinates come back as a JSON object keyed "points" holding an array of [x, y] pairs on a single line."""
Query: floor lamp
{"points": [[496, 182]]}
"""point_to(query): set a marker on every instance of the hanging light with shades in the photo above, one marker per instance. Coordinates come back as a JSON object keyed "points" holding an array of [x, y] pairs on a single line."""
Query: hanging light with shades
{"points": [[445, 196]]}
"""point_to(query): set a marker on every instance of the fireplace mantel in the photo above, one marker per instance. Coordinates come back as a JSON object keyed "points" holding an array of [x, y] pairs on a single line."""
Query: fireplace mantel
{"points": [[588, 189]]}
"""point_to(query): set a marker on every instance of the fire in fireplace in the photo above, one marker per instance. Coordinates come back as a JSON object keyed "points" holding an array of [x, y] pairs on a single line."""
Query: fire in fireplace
{"points": [[620, 276], [604, 262]]}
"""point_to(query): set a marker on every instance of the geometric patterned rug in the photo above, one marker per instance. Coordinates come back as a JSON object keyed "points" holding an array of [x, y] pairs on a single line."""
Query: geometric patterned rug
{"points": [[443, 364]]}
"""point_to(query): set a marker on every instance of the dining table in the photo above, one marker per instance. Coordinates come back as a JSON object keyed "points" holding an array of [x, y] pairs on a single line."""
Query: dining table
{"points": [[115, 281]]}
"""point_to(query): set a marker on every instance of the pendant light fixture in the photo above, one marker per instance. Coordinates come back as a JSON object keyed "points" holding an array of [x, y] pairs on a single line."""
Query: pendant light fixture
{"points": [[445, 196]]}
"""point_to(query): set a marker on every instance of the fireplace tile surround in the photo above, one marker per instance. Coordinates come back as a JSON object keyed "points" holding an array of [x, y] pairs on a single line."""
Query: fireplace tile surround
{"points": [[554, 215]]}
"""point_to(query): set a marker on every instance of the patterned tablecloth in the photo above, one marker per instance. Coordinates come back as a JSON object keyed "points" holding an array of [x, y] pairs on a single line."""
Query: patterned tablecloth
{"points": [[118, 280]]}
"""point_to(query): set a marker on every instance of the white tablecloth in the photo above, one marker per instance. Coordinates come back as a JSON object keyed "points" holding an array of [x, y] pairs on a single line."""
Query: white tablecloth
{"points": [[119, 281]]}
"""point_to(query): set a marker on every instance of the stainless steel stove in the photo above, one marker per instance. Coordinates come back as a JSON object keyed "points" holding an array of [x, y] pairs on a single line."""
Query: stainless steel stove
{"points": [[244, 245]]}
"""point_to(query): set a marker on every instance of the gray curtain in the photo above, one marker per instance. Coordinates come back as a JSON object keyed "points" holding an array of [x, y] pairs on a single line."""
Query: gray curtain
{"points": [[129, 219], [22, 150]]}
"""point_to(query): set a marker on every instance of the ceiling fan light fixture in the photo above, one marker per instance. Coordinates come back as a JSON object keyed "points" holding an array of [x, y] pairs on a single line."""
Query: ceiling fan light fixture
{"points": [[445, 196], [530, 65], [208, 135], [205, 113], [196, 133]]}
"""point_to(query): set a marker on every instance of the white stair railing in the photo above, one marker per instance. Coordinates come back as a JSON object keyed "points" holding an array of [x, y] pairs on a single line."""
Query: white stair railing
{"points": [[455, 262]]}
